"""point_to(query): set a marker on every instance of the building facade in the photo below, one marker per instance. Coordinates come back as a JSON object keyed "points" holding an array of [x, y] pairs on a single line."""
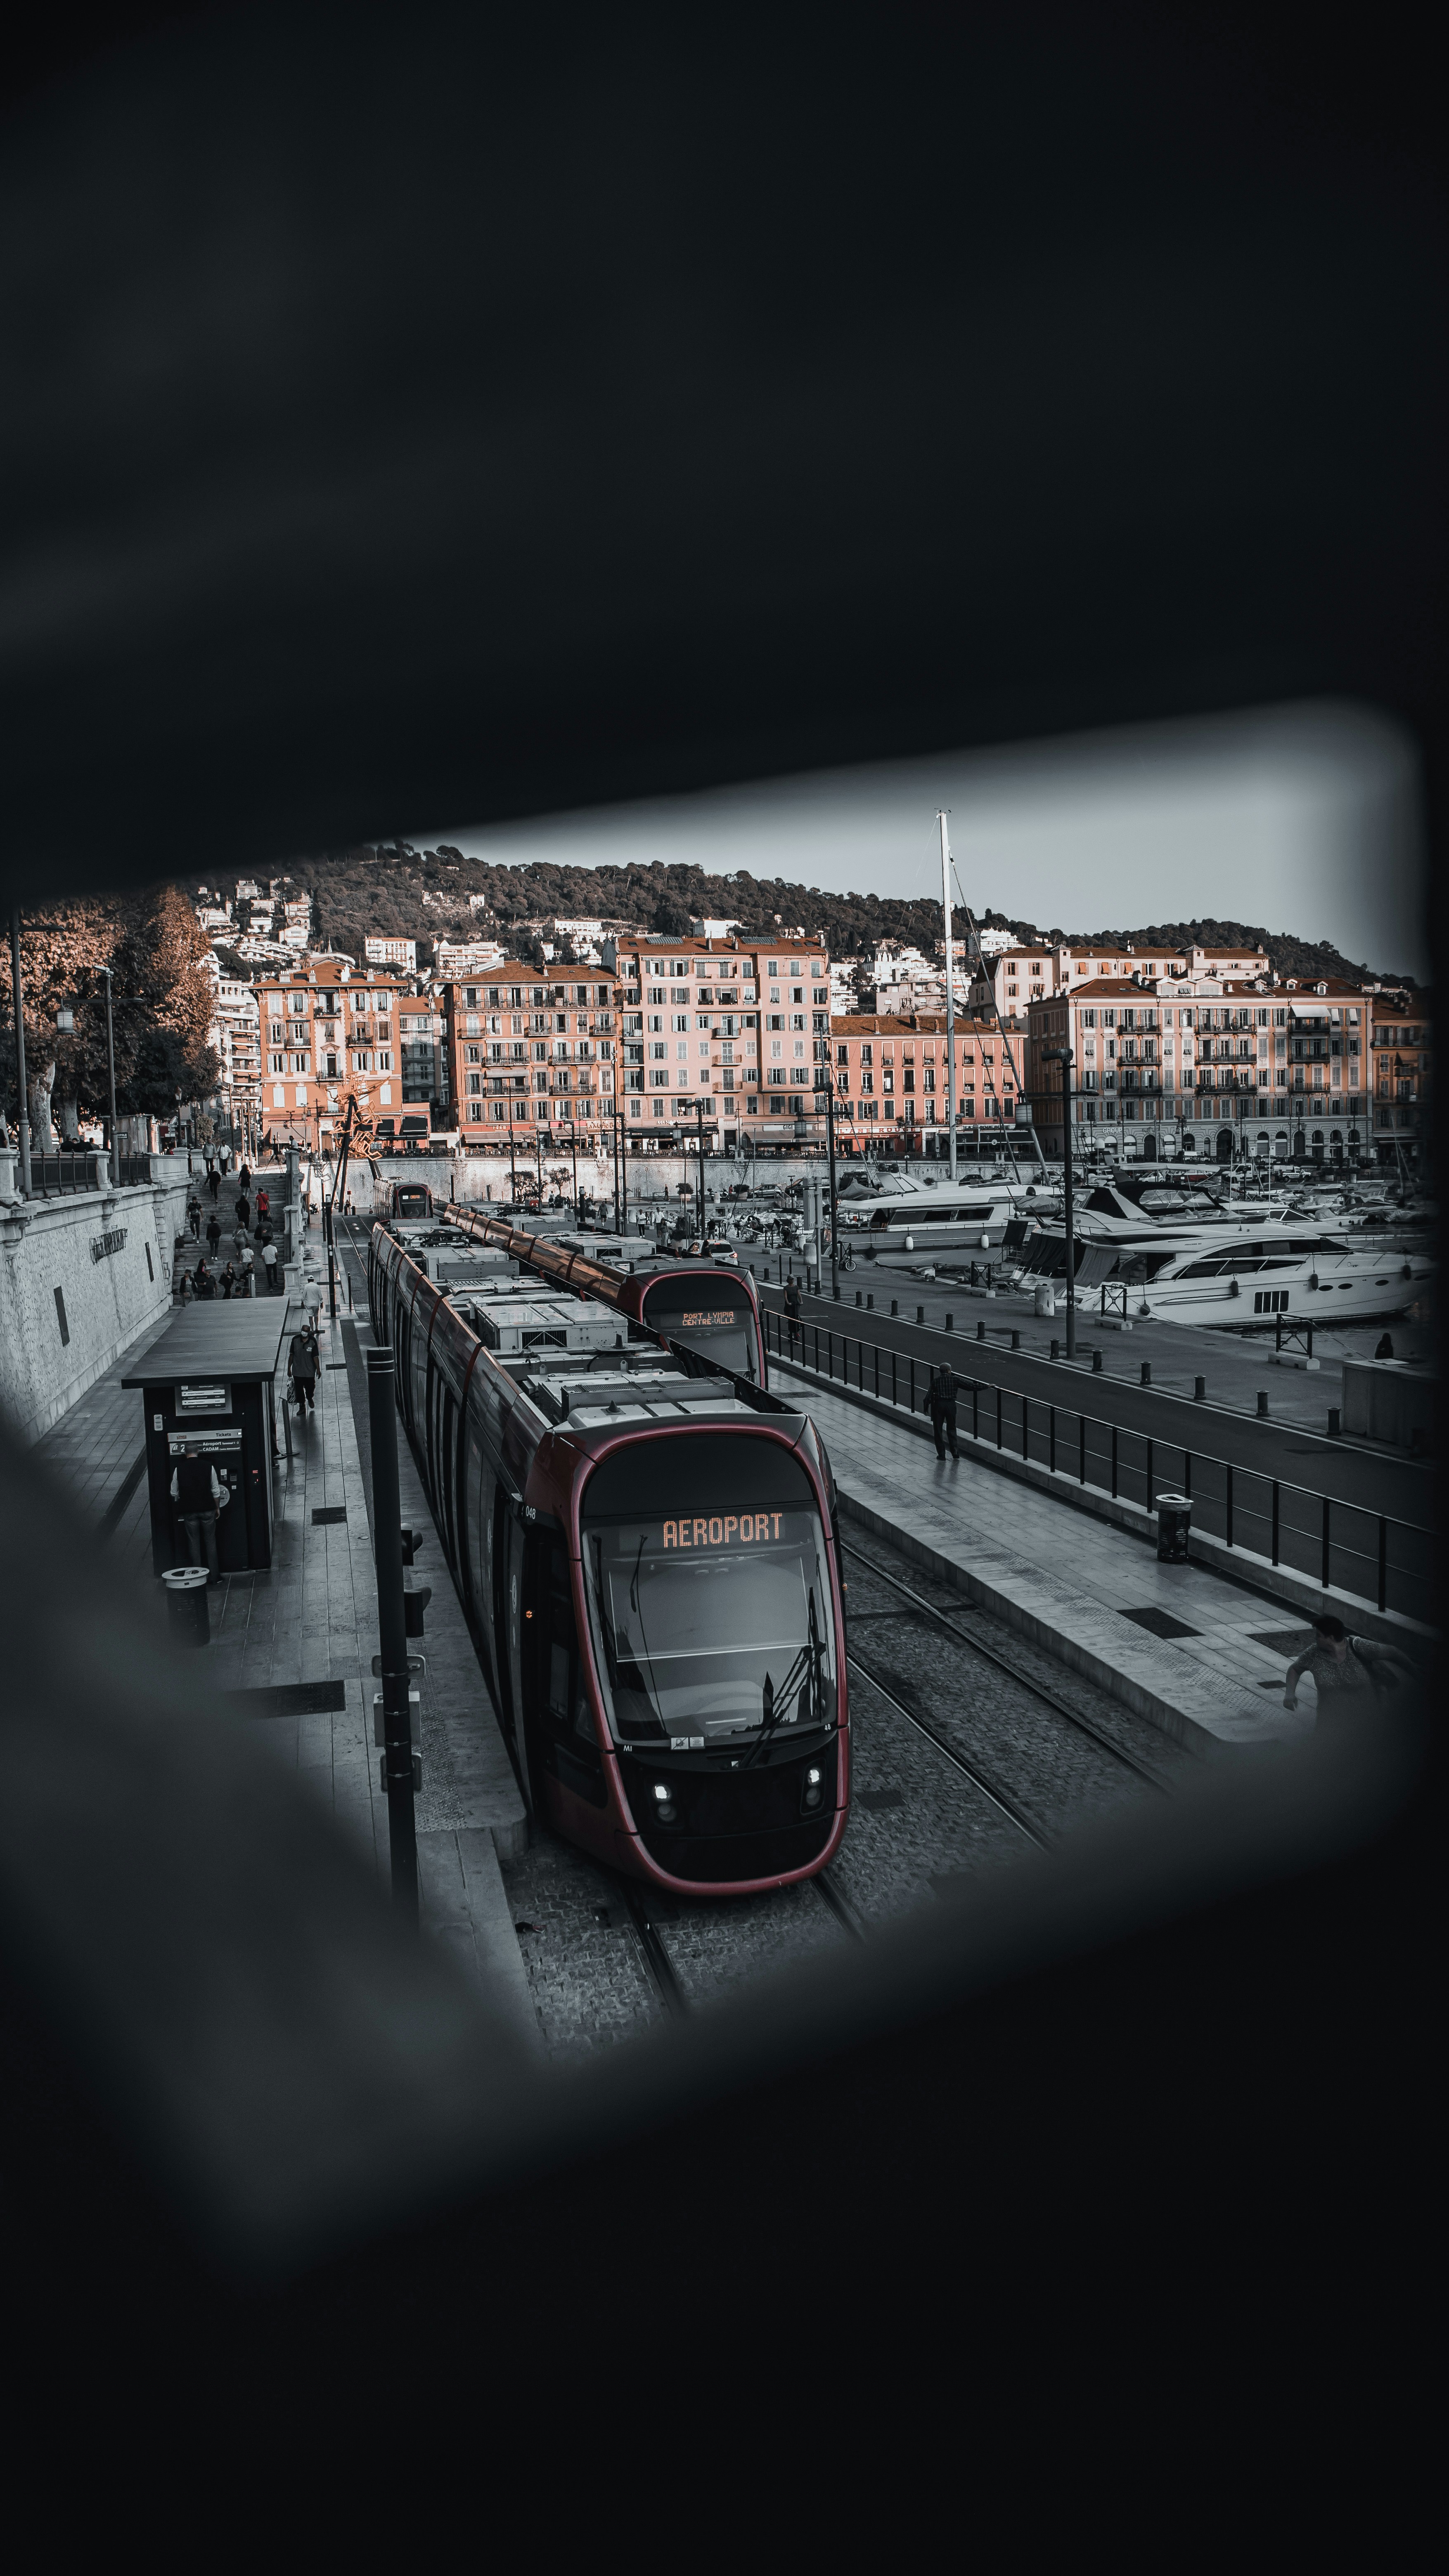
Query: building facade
{"points": [[1018, 975], [328, 1030], [1401, 1039], [722, 1034], [1205, 1066], [528, 1052], [399, 953], [424, 1055], [891, 1074]]}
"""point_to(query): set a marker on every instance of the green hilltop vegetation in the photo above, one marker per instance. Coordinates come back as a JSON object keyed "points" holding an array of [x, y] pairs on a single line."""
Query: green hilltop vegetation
{"points": [[395, 891]]}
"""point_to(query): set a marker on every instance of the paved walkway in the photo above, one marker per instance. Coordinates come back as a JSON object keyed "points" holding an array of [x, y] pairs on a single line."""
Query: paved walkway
{"points": [[1077, 1586], [292, 1650]]}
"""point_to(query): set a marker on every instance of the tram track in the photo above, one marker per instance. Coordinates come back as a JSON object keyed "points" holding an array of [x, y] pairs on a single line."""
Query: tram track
{"points": [[1003, 1803], [1004, 1663]]}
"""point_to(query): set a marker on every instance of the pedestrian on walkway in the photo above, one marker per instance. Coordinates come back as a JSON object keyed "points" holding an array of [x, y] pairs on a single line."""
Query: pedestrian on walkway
{"points": [[244, 1176], [184, 1287], [213, 1182], [792, 1311], [243, 1209], [205, 1283], [1346, 1672], [264, 1205], [199, 1494], [231, 1281], [302, 1369], [1385, 1349], [269, 1262], [213, 1233], [193, 1216], [941, 1405], [239, 1241]]}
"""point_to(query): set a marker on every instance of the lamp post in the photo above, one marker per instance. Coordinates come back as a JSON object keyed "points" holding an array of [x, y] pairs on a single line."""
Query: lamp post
{"points": [[830, 1148], [1063, 1056]]}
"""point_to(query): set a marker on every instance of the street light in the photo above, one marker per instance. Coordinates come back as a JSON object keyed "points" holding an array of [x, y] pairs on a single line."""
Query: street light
{"points": [[1063, 1056]]}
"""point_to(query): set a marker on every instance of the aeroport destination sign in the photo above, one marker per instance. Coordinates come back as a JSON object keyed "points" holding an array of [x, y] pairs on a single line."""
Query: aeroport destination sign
{"points": [[732, 1529]]}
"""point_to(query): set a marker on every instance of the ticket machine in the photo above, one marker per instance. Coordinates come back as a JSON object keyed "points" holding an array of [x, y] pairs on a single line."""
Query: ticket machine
{"points": [[209, 1381]]}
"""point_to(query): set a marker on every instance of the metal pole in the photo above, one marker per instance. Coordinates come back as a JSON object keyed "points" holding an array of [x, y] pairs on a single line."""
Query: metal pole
{"points": [[830, 1141], [398, 1776], [111, 1072], [1063, 1057], [18, 993], [950, 991]]}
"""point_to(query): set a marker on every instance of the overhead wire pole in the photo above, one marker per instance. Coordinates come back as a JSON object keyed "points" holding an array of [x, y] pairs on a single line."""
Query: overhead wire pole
{"points": [[950, 989], [985, 979]]}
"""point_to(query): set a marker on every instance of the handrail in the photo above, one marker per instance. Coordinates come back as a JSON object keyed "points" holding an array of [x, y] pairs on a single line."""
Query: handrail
{"points": [[1307, 1531]]}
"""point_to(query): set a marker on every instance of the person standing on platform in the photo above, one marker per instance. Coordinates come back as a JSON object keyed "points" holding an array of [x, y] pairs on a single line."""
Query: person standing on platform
{"points": [[941, 1405], [302, 1369], [269, 1263], [792, 1310], [199, 1494]]}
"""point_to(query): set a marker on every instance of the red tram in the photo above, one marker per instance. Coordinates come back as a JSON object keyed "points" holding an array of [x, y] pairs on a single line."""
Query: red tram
{"points": [[649, 1565], [675, 1299]]}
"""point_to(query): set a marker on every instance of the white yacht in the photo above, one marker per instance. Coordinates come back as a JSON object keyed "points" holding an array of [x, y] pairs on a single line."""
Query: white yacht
{"points": [[920, 1217], [1236, 1277]]}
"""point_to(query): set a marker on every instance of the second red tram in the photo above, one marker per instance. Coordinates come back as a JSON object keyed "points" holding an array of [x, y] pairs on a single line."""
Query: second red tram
{"points": [[674, 1298], [649, 1566]]}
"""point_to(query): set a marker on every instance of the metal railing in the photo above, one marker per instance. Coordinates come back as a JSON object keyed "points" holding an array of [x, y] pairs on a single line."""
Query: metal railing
{"points": [[1339, 1545], [62, 1175]]}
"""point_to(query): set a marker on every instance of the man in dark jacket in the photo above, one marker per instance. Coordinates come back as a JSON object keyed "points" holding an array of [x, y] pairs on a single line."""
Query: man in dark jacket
{"points": [[792, 1310], [302, 1366], [199, 1494], [243, 1209], [941, 1404], [213, 1233]]}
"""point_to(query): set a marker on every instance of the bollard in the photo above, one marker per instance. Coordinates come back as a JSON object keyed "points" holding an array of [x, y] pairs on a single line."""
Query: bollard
{"points": [[1016, 1341], [981, 1329], [1335, 1423], [858, 1295], [950, 1323], [870, 1300], [1147, 1372], [1056, 1350], [1199, 1390], [895, 1306], [1262, 1405], [920, 1314], [1096, 1363], [187, 1614]]}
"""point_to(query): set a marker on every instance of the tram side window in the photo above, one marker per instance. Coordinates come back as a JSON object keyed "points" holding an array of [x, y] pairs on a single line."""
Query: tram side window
{"points": [[559, 1703]]}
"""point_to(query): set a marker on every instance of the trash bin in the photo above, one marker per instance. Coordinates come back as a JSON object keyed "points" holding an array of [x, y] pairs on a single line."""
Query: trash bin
{"points": [[186, 1605], [1046, 1298], [1174, 1520]]}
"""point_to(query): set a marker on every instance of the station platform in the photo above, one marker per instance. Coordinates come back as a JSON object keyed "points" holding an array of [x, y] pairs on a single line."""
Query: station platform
{"points": [[292, 1649], [1088, 1592]]}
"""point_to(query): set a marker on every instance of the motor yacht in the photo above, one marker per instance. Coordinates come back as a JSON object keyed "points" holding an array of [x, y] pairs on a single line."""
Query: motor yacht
{"points": [[1236, 1278]]}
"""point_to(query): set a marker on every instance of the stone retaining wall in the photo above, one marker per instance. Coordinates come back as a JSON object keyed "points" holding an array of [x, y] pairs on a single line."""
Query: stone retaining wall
{"points": [[80, 1279]]}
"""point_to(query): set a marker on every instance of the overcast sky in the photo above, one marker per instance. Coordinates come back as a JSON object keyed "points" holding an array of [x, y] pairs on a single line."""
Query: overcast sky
{"points": [[1304, 819]]}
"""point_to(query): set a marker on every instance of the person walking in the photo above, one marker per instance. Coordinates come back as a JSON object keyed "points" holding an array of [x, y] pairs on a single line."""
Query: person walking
{"points": [[1346, 1672], [302, 1369], [199, 1494], [1385, 1350], [193, 1216], [213, 1182], [230, 1283], [264, 1206], [243, 1209], [941, 1405], [244, 1176], [269, 1263], [248, 1270], [792, 1309], [213, 1233], [204, 1283], [185, 1288]]}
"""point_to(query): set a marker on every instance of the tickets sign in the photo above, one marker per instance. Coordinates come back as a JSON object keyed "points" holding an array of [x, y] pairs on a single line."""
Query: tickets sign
{"points": [[727, 1529]]}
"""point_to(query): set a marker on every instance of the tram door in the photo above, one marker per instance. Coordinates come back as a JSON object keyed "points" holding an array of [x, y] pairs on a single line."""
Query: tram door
{"points": [[504, 1604], [443, 1458], [559, 1728]]}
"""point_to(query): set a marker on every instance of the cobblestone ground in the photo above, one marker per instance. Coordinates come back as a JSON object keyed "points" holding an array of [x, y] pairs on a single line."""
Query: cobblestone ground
{"points": [[588, 1979]]}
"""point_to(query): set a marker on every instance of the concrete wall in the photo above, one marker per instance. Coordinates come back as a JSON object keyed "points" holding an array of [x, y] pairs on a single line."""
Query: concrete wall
{"points": [[110, 1290], [1388, 1400]]}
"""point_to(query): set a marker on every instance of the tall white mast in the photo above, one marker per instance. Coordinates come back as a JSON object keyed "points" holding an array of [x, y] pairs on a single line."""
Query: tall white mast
{"points": [[950, 989]]}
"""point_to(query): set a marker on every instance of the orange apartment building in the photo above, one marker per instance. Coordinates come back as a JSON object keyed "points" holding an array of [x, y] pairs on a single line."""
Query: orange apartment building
{"points": [[891, 1081], [1206, 1066], [327, 1029], [530, 1050]]}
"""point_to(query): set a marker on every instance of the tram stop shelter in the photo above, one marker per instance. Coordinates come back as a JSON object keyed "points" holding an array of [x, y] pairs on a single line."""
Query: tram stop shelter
{"points": [[211, 1378]]}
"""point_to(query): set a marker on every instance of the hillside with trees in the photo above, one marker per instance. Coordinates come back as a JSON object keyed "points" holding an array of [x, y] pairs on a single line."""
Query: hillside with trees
{"points": [[392, 889]]}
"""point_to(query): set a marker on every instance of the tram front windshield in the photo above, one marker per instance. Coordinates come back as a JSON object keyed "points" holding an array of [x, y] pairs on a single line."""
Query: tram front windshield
{"points": [[711, 1313], [713, 1623]]}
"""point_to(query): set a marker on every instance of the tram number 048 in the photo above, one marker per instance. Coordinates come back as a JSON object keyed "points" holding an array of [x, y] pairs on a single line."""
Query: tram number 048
{"points": [[734, 1529]]}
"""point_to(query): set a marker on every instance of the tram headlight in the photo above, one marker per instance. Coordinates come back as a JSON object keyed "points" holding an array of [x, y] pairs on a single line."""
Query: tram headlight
{"points": [[812, 1794], [664, 1806]]}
